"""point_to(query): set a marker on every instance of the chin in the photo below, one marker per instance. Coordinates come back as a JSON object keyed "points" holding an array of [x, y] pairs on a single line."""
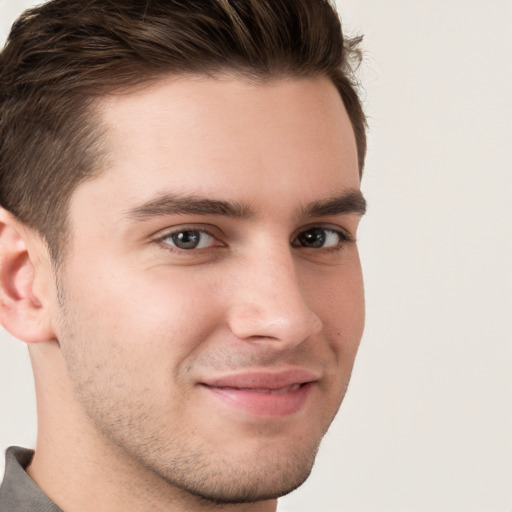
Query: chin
{"points": [[261, 472], [262, 482]]}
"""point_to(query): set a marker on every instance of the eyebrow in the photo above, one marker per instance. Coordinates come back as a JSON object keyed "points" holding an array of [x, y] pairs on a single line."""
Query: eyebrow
{"points": [[171, 204], [351, 201]]}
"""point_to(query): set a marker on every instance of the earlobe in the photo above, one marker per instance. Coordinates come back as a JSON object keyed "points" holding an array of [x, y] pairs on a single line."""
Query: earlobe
{"points": [[22, 313]]}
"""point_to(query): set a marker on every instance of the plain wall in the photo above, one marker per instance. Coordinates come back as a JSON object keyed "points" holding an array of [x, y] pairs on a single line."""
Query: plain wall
{"points": [[427, 423]]}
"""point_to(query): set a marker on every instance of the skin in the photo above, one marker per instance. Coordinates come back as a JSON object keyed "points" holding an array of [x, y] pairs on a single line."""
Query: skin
{"points": [[125, 336]]}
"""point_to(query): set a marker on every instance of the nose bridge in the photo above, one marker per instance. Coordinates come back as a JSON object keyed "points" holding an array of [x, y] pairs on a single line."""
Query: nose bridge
{"points": [[270, 302]]}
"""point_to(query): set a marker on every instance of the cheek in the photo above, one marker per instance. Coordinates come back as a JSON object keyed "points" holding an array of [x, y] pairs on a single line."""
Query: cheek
{"points": [[340, 304], [338, 299], [351, 307], [151, 314], [134, 333]]}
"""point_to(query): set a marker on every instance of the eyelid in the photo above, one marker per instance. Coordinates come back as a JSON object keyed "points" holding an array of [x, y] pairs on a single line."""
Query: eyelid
{"points": [[345, 234], [208, 229]]}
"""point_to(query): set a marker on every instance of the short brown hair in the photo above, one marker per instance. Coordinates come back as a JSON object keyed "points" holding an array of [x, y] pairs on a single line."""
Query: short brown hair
{"points": [[62, 55]]}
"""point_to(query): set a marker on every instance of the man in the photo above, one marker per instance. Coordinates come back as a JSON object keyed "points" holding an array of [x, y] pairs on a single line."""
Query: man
{"points": [[180, 192]]}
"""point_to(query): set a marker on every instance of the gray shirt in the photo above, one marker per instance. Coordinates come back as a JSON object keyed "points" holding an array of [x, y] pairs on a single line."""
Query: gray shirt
{"points": [[19, 493]]}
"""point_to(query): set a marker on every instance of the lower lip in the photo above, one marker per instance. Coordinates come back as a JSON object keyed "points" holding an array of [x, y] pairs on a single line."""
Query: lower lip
{"points": [[264, 404]]}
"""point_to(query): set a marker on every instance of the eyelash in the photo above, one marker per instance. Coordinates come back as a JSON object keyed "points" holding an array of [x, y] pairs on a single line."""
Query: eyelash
{"points": [[186, 229], [344, 237]]}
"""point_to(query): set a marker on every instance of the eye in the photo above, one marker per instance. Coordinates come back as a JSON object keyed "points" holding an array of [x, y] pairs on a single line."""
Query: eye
{"points": [[320, 238], [188, 239]]}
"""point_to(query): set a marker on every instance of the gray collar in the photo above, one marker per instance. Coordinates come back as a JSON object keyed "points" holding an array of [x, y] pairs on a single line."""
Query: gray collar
{"points": [[18, 492]]}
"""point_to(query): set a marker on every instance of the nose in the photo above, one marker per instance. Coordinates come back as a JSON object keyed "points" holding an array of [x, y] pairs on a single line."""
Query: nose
{"points": [[269, 302]]}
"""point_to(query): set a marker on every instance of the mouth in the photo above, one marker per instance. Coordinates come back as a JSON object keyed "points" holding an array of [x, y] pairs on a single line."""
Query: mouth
{"points": [[279, 391], [263, 394]]}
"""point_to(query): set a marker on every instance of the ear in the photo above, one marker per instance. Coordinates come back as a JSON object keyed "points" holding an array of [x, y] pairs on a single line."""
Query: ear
{"points": [[22, 313]]}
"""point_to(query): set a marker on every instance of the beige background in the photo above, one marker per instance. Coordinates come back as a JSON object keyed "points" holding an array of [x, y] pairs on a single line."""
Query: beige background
{"points": [[427, 424]]}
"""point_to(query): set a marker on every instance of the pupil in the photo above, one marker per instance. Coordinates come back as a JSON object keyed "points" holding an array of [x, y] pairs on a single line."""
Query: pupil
{"points": [[186, 239], [313, 238]]}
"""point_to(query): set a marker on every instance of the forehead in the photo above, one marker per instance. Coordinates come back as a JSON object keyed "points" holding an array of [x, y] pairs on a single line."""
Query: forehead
{"points": [[226, 136]]}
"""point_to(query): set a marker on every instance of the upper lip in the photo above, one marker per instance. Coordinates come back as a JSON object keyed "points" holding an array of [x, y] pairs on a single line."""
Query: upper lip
{"points": [[257, 379]]}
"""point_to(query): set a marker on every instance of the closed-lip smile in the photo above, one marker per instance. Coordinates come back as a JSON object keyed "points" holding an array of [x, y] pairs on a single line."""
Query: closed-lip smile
{"points": [[269, 394]]}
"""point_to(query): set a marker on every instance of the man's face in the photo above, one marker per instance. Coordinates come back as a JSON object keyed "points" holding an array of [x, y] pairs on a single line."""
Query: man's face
{"points": [[211, 304]]}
